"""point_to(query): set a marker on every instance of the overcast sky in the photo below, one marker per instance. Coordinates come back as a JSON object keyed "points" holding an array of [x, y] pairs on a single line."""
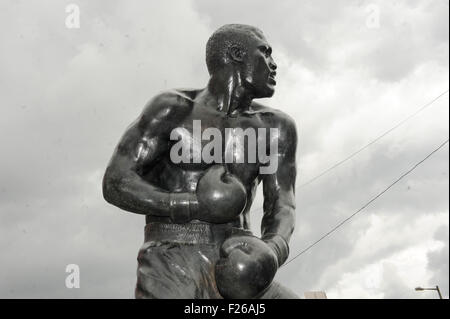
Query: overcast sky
{"points": [[347, 72]]}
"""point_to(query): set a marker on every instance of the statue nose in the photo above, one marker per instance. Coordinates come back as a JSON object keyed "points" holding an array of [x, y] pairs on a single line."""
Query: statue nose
{"points": [[273, 65]]}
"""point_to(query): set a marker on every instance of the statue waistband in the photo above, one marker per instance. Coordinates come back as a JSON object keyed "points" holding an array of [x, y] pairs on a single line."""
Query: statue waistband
{"points": [[191, 233]]}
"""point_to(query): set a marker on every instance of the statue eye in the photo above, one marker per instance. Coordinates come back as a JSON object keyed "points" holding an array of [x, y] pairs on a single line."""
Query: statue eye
{"points": [[267, 51]]}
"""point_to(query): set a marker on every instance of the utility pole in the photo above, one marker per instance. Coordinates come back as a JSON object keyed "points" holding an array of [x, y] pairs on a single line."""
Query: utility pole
{"points": [[436, 288]]}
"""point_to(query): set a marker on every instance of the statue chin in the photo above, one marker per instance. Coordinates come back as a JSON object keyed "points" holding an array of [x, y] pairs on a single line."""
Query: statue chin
{"points": [[267, 92], [259, 91]]}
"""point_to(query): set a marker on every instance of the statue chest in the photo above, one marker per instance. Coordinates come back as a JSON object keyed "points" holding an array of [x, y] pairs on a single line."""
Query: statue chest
{"points": [[206, 138]]}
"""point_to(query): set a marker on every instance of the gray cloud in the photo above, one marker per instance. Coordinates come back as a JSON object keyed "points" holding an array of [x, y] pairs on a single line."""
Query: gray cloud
{"points": [[438, 261], [67, 96]]}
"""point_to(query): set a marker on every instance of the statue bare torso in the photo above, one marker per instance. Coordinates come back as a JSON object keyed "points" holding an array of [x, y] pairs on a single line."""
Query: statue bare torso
{"points": [[176, 109], [184, 176]]}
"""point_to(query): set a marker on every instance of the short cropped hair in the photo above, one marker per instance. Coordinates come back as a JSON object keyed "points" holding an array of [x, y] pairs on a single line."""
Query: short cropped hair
{"points": [[225, 37]]}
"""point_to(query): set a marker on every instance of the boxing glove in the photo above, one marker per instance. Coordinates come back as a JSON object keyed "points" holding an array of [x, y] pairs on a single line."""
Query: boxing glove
{"points": [[247, 265], [219, 198]]}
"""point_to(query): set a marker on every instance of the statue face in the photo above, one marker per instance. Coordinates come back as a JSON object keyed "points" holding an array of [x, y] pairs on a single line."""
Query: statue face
{"points": [[258, 73]]}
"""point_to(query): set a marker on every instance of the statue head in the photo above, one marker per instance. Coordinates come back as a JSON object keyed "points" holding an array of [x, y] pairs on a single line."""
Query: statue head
{"points": [[244, 51]]}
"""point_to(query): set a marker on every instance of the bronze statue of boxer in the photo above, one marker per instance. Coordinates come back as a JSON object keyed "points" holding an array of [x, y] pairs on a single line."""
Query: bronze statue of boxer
{"points": [[198, 242]]}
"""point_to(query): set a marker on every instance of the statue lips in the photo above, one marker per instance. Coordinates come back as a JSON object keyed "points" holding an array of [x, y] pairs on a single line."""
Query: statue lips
{"points": [[271, 78]]}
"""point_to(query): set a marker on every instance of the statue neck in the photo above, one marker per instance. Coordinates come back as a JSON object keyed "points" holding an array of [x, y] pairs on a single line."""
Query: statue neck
{"points": [[228, 91]]}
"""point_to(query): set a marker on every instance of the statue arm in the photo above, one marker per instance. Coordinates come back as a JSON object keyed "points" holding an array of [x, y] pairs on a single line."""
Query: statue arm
{"points": [[279, 194], [138, 150]]}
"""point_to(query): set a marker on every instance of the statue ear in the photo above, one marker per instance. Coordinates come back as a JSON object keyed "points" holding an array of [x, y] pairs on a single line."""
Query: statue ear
{"points": [[236, 53]]}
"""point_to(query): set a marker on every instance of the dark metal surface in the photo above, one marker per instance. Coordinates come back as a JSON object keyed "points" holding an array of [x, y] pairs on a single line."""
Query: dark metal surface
{"points": [[142, 178]]}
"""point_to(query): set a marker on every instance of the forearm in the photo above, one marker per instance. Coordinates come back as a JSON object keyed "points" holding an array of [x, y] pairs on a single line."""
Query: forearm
{"points": [[280, 221], [276, 230], [130, 192]]}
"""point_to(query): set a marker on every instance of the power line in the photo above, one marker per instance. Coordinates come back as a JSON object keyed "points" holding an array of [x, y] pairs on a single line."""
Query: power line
{"points": [[373, 141], [368, 203], [367, 145]]}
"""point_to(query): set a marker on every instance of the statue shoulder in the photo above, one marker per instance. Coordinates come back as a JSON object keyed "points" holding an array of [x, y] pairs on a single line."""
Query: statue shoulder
{"points": [[168, 106], [276, 118], [287, 129]]}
